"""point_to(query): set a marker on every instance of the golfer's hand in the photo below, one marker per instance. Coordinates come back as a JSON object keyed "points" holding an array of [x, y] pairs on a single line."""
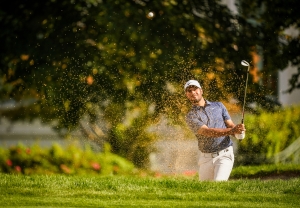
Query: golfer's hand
{"points": [[238, 129]]}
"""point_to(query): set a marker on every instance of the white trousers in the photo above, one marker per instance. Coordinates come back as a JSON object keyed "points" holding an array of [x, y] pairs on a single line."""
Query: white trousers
{"points": [[216, 166]]}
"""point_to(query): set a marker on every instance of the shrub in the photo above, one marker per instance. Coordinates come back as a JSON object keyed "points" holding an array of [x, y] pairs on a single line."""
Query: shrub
{"points": [[268, 134], [69, 160]]}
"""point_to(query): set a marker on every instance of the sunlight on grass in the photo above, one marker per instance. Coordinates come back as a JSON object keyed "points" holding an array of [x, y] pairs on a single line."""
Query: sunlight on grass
{"points": [[84, 191]]}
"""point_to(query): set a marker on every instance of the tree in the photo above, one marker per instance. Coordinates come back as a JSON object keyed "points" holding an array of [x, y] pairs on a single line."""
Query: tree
{"points": [[277, 48]]}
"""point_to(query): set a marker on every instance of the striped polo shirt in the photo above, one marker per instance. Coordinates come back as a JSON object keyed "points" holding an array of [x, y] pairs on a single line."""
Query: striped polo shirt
{"points": [[213, 115]]}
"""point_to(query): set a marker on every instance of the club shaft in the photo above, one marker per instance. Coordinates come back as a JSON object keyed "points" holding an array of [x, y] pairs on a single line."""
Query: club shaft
{"points": [[243, 112]]}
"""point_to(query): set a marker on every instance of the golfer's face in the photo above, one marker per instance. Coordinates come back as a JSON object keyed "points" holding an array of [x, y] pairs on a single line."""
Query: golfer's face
{"points": [[194, 94]]}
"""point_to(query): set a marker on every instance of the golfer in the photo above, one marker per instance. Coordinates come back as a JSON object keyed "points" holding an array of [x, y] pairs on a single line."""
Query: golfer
{"points": [[212, 125]]}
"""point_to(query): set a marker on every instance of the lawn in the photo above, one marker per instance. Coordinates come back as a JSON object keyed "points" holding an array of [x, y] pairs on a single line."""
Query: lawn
{"points": [[133, 191]]}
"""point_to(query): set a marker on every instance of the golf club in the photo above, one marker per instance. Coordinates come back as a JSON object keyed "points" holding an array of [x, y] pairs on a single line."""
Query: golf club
{"points": [[245, 63], [242, 135]]}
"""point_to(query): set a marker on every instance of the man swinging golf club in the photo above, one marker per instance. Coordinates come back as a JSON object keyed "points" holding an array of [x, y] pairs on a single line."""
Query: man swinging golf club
{"points": [[212, 125]]}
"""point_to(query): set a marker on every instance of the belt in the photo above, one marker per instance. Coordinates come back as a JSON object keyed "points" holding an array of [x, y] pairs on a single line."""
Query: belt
{"points": [[216, 154]]}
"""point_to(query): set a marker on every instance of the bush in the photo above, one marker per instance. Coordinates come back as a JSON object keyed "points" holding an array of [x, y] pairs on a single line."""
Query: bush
{"points": [[268, 134], [69, 160]]}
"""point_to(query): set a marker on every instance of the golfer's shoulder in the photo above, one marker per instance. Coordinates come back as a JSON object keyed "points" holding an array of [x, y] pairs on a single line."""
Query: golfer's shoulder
{"points": [[215, 103]]}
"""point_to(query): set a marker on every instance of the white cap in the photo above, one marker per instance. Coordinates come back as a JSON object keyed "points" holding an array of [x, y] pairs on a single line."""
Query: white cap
{"points": [[192, 83]]}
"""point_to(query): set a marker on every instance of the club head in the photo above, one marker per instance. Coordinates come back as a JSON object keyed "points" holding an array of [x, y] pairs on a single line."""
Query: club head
{"points": [[245, 63]]}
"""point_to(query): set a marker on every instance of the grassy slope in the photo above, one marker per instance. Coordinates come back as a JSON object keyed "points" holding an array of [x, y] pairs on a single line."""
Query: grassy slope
{"points": [[85, 191]]}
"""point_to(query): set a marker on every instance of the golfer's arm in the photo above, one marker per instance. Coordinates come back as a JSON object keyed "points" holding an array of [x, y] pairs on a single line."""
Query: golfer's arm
{"points": [[229, 123], [214, 132]]}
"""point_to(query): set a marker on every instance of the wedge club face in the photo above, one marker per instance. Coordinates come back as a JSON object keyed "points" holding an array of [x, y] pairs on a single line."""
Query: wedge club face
{"points": [[245, 63]]}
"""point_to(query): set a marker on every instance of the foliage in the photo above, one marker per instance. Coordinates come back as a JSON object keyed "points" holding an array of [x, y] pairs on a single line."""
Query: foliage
{"points": [[291, 154], [267, 134], [70, 160], [276, 35], [132, 140], [92, 191]]}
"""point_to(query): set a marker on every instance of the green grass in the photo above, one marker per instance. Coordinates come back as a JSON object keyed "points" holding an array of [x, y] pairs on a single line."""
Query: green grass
{"points": [[263, 171], [133, 191]]}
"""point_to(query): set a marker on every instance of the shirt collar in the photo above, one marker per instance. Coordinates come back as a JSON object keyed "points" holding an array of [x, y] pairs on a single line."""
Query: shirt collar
{"points": [[207, 103]]}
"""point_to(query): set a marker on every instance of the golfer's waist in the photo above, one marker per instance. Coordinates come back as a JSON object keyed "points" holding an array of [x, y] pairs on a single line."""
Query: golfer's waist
{"points": [[217, 153]]}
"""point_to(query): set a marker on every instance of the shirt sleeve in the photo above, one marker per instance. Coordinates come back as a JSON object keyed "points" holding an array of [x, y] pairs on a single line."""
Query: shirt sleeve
{"points": [[194, 122], [225, 113]]}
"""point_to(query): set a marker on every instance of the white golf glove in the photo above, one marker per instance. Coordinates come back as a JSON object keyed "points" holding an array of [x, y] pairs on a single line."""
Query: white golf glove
{"points": [[240, 136]]}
